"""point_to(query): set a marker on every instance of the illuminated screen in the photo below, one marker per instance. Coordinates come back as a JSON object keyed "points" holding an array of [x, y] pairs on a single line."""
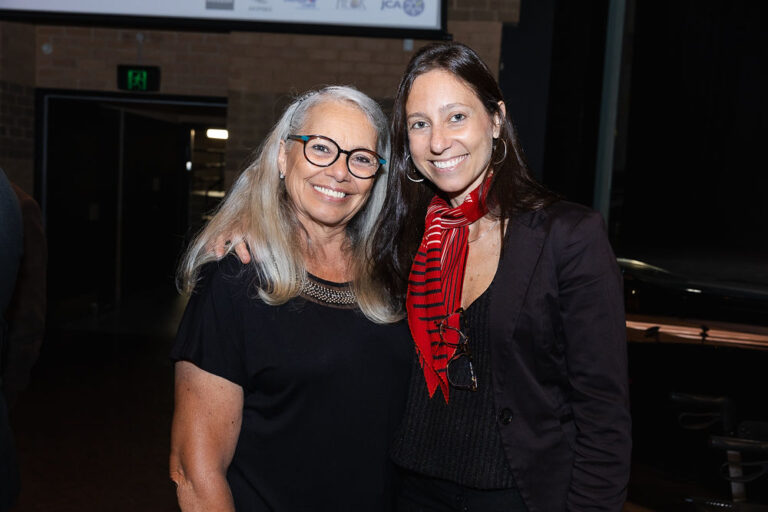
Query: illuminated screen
{"points": [[294, 15]]}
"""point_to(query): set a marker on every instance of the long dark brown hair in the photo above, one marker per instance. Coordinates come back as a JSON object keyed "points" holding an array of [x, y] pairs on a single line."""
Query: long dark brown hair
{"points": [[512, 190]]}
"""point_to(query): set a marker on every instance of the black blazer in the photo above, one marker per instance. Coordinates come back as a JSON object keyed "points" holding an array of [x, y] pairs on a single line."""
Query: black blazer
{"points": [[559, 361]]}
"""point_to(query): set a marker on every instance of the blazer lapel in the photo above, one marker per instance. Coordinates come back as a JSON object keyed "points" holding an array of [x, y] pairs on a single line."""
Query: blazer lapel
{"points": [[522, 249]]}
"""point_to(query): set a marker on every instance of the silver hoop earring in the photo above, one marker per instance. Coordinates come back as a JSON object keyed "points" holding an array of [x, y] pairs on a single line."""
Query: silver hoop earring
{"points": [[413, 168], [505, 152], [408, 175], [282, 176]]}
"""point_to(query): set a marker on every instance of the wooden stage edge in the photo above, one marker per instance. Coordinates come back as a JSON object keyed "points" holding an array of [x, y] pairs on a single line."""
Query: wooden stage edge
{"points": [[658, 329]]}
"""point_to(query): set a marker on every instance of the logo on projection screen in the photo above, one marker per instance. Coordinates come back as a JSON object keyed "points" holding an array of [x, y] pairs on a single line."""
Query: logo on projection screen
{"points": [[303, 3], [350, 4], [411, 7], [227, 5]]}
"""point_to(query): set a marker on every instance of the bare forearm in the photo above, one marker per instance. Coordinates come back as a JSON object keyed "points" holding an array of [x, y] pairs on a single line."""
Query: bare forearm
{"points": [[208, 493], [206, 426]]}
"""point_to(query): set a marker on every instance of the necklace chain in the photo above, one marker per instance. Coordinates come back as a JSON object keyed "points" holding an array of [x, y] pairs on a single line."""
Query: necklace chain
{"points": [[328, 294], [481, 235]]}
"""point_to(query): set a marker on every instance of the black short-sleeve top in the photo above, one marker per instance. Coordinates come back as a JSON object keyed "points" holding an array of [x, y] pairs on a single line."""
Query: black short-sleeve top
{"points": [[324, 391]]}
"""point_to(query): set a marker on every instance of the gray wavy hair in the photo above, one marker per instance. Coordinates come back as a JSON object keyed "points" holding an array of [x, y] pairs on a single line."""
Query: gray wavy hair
{"points": [[259, 207]]}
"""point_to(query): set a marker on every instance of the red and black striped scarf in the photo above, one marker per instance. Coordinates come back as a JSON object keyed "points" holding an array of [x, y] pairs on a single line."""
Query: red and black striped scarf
{"points": [[436, 281]]}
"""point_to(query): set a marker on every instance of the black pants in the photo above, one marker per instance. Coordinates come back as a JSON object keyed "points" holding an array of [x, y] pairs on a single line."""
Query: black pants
{"points": [[425, 494]]}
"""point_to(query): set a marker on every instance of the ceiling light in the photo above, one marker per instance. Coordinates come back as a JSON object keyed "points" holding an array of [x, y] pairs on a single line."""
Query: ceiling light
{"points": [[217, 133]]}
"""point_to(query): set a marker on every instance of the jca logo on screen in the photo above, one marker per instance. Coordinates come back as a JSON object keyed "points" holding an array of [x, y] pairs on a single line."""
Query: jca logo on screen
{"points": [[411, 7]]}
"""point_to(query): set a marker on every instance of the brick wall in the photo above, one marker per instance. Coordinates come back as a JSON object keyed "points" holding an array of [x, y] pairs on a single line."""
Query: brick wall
{"points": [[257, 72], [506, 11], [17, 96], [86, 58], [250, 115], [212, 64]]}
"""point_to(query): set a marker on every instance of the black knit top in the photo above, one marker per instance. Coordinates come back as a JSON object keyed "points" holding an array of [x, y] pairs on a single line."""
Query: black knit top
{"points": [[458, 441]]}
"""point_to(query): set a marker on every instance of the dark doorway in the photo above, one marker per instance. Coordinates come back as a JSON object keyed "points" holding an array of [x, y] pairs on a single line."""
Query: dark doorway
{"points": [[116, 182], [155, 201], [81, 217]]}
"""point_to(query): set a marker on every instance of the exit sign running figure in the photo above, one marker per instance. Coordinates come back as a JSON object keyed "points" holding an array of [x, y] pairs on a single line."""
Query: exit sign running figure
{"points": [[138, 78]]}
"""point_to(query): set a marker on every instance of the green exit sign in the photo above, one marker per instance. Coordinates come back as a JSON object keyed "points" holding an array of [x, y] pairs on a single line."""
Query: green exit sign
{"points": [[138, 78]]}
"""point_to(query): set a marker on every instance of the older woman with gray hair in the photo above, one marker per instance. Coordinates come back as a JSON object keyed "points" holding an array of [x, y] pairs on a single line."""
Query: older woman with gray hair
{"points": [[291, 372]]}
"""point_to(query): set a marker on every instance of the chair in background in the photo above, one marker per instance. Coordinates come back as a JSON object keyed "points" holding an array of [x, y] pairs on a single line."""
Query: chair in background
{"points": [[745, 446]]}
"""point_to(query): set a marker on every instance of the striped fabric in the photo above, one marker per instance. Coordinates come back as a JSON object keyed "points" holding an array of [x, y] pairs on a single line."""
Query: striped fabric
{"points": [[436, 280]]}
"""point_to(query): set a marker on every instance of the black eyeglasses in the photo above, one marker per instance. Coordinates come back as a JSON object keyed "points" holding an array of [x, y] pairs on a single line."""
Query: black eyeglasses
{"points": [[460, 368], [323, 152]]}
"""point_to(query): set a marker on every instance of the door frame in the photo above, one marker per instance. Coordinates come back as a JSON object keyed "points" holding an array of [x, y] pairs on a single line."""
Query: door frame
{"points": [[120, 101], [42, 106]]}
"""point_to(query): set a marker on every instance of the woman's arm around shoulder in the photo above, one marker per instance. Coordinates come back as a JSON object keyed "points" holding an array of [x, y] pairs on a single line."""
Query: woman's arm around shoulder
{"points": [[592, 314], [206, 425]]}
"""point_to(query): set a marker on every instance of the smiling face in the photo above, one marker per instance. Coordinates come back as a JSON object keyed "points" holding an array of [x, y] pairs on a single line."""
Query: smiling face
{"points": [[450, 133], [328, 197]]}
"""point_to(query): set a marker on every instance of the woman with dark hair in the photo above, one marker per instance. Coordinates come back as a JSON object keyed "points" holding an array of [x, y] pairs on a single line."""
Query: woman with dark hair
{"points": [[519, 400]]}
